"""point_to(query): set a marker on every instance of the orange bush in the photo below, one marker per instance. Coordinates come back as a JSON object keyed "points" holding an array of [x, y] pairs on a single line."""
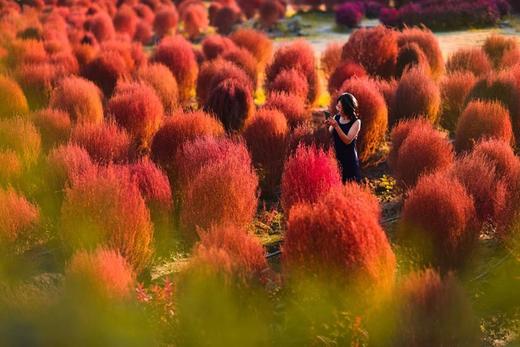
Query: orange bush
{"points": [[417, 95], [454, 89], [308, 174], [65, 163], [137, 108], [496, 46], [400, 132], [438, 220], [105, 271], [409, 56], [80, 98], [343, 72], [106, 69], [20, 136], [36, 81], [12, 98], [291, 106], [11, 167], [101, 26], [176, 130], [501, 156], [429, 44], [215, 45], [289, 81], [375, 49], [53, 125], [372, 112], [266, 137], [166, 19], [256, 42], [104, 207], [242, 58], [176, 53], [195, 19], [331, 58], [338, 240], [482, 120], [510, 58], [160, 78], [472, 60]]}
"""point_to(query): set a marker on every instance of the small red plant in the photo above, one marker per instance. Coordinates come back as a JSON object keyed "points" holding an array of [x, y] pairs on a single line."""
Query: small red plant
{"points": [[343, 72], [291, 106], [166, 19], [454, 89], [429, 44], [160, 78], [256, 42], [215, 45], [290, 81], [472, 60]]}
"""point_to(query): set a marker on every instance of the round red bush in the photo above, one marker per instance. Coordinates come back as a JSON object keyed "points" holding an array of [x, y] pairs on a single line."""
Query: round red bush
{"points": [[215, 45], [410, 55], [226, 18], [143, 32], [489, 192], [232, 103], [339, 240], [428, 44], [104, 207], [249, 7], [424, 150], [176, 130], [308, 174], [19, 220], [105, 271], [297, 55], [36, 81], [291, 106], [242, 58], [454, 89], [105, 70], [290, 81], [125, 21], [501, 156], [233, 253], [80, 98], [53, 125], [137, 108], [308, 135], [266, 138], [195, 20], [165, 22], [105, 143], [438, 219], [375, 49], [176, 53], [496, 46], [372, 112], [482, 120], [66, 162], [271, 11], [510, 59], [101, 26], [160, 78], [12, 98], [349, 14], [388, 88], [255, 42], [472, 60], [224, 192], [331, 58], [427, 300], [417, 95], [343, 72]]}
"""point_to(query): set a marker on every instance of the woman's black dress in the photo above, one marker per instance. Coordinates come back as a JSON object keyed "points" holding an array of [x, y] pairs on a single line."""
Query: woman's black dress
{"points": [[346, 154]]}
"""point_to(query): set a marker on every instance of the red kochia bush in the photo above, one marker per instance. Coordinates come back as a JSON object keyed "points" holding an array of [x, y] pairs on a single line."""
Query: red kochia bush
{"points": [[454, 89], [438, 218], [375, 49], [176, 130], [291, 106], [424, 150], [105, 70], [501, 156], [489, 192], [226, 18], [298, 55], [80, 98], [215, 45], [266, 137], [510, 58], [255, 42], [417, 95], [308, 174], [345, 244], [331, 58], [343, 72], [65, 163], [125, 21], [102, 270], [18, 220], [166, 19], [104, 142], [429, 44], [271, 11], [246, 61], [101, 26], [410, 55], [54, 126], [231, 252], [232, 103], [12, 99], [400, 132], [20, 136], [496, 46], [160, 78], [481, 120], [176, 53], [195, 19], [137, 108], [36, 80], [290, 81], [143, 32], [105, 207], [223, 192], [349, 14], [473, 60], [11, 166], [427, 300], [388, 88], [372, 112]]}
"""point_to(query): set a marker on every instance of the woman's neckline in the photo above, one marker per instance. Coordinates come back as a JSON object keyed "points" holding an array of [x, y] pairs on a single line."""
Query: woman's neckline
{"points": [[350, 120]]}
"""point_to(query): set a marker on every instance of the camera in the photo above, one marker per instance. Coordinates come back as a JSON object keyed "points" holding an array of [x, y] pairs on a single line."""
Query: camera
{"points": [[327, 114]]}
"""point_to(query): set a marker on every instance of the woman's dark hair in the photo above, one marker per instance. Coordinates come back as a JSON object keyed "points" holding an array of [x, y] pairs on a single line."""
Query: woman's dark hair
{"points": [[349, 104]]}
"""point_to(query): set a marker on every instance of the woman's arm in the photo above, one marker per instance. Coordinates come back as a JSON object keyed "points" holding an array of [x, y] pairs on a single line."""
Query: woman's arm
{"points": [[352, 133]]}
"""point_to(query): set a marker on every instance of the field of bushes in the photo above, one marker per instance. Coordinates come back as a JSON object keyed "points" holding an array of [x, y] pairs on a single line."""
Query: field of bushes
{"points": [[166, 178]]}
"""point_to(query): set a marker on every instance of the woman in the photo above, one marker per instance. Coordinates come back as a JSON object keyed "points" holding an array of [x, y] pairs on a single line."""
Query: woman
{"points": [[344, 128]]}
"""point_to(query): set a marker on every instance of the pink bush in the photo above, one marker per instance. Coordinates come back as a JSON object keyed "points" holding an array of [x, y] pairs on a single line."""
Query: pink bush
{"points": [[308, 174]]}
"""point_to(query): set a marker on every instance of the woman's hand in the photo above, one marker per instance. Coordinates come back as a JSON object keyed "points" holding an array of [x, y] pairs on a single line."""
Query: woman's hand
{"points": [[331, 122]]}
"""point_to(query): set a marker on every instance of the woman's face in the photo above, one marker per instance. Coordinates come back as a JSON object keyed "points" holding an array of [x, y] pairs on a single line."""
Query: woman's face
{"points": [[339, 108]]}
